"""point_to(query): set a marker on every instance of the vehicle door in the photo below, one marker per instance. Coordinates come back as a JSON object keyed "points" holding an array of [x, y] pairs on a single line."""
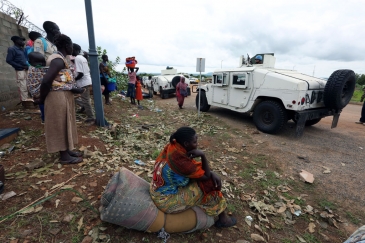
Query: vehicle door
{"points": [[240, 89], [155, 84], [220, 88]]}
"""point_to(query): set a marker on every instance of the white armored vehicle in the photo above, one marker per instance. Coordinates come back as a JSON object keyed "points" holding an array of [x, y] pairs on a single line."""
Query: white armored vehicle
{"points": [[277, 95], [165, 83]]}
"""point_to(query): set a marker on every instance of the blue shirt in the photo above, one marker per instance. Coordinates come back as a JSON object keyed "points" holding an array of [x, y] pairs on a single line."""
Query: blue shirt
{"points": [[16, 58]]}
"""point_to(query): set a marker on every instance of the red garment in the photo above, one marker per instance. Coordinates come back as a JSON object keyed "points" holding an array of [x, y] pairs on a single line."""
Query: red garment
{"points": [[139, 95], [180, 98]]}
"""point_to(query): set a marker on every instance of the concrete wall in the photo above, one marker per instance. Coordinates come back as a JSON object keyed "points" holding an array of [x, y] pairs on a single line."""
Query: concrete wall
{"points": [[9, 96]]}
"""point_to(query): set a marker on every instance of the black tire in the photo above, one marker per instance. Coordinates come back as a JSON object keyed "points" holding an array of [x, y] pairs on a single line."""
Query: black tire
{"points": [[204, 106], [175, 81], [162, 94], [270, 116], [339, 89], [312, 122]]}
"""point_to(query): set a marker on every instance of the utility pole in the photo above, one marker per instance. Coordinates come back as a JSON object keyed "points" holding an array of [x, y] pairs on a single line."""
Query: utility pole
{"points": [[94, 67]]}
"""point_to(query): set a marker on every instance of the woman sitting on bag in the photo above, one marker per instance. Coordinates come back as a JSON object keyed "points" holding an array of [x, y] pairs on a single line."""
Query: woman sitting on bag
{"points": [[180, 182]]}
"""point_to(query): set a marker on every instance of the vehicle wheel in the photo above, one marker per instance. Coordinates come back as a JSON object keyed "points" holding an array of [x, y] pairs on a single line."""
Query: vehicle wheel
{"points": [[204, 106], [154, 92], [339, 89], [312, 122], [162, 94], [175, 81], [270, 116]]}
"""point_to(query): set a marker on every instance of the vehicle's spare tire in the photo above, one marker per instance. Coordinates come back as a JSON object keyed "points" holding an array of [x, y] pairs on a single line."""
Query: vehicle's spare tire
{"points": [[175, 81], [339, 89]]}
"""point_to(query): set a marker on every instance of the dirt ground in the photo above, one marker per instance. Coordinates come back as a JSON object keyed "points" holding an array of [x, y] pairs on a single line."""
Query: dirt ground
{"points": [[255, 167]]}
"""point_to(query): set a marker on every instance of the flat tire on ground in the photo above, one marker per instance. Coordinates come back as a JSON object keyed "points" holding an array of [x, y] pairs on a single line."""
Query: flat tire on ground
{"points": [[339, 89], [270, 116], [204, 106]]}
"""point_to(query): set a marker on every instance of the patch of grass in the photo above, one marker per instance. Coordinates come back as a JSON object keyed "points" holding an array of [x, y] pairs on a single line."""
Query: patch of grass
{"points": [[155, 154], [260, 160], [286, 241], [297, 201], [325, 203], [247, 172], [76, 238], [309, 238], [353, 219], [231, 208], [357, 95]]}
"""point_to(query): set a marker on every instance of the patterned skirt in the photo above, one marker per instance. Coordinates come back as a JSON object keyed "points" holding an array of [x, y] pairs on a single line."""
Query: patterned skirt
{"points": [[187, 197]]}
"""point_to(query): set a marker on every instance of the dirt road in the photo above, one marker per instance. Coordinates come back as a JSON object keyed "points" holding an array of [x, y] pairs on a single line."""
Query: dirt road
{"points": [[341, 149]]}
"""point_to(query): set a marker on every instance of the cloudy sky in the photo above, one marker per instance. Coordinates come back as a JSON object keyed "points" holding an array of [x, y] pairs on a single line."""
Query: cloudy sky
{"points": [[312, 36]]}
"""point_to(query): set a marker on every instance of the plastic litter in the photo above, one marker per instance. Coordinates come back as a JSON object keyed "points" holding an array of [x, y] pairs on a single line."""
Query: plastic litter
{"points": [[298, 213], [2, 153], [139, 162], [249, 218], [135, 115], [99, 171], [158, 110], [11, 149]]}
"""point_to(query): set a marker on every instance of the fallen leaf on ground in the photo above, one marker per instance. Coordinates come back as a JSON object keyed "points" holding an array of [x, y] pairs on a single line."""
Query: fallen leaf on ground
{"points": [[38, 209], [257, 237], [80, 223], [306, 176], [76, 199], [57, 202], [301, 239], [311, 227]]}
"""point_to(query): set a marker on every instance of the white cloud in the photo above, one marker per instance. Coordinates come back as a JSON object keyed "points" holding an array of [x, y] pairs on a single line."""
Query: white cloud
{"points": [[327, 35]]}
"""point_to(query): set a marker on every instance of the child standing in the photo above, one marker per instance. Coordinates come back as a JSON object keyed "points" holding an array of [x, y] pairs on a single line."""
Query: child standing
{"points": [[139, 95], [132, 75]]}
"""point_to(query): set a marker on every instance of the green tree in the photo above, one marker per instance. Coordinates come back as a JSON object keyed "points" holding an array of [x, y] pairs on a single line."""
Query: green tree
{"points": [[360, 79]]}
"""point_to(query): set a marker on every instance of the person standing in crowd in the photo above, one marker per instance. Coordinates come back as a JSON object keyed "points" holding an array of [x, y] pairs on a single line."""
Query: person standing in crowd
{"points": [[104, 76], [139, 95], [132, 76], [33, 36], [60, 126], [181, 92], [51, 29], [83, 80], [16, 58]]}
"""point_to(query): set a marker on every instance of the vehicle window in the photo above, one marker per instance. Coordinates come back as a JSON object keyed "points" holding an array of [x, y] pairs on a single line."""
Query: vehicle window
{"points": [[239, 79], [225, 79], [218, 79]]}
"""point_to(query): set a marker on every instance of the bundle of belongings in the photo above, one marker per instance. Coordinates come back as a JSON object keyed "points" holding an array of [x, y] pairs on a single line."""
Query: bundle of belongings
{"points": [[130, 62], [126, 201]]}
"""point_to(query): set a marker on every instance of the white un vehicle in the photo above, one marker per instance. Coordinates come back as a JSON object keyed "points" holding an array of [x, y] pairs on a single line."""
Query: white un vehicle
{"points": [[277, 95]]}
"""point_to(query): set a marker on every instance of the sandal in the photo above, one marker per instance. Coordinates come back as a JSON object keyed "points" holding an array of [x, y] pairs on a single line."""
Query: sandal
{"points": [[219, 224], [75, 154], [73, 160]]}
